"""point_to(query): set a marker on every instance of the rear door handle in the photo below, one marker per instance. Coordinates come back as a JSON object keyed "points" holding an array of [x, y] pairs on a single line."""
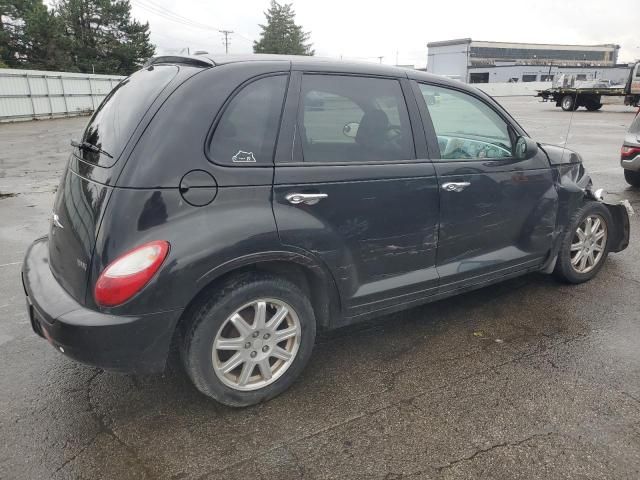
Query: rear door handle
{"points": [[306, 198], [455, 186]]}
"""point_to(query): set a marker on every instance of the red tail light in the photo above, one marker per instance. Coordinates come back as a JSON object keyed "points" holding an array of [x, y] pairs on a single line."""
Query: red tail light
{"points": [[628, 152], [129, 273]]}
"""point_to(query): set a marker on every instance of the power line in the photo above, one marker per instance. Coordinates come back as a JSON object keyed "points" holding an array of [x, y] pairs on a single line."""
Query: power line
{"points": [[170, 15], [161, 11], [150, 6]]}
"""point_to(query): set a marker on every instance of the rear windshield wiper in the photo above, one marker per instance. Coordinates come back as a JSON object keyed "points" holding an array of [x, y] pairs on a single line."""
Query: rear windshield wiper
{"points": [[90, 147]]}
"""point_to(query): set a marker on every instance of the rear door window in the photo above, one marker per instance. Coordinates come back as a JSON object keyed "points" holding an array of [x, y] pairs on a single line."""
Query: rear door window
{"points": [[353, 119], [113, 123], [246, 133]]}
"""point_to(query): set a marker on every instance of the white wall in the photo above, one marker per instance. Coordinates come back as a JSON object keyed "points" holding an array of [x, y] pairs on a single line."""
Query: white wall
{"points": [[504, 73], [512, 89], [30, 94], [448, 60]]}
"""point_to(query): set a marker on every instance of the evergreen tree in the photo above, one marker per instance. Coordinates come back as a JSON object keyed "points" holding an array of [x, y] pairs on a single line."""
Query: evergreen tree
{"points": [[281, 34], [30, 37], [45, 45], [79, 35], [104, 37], [10, 27]]}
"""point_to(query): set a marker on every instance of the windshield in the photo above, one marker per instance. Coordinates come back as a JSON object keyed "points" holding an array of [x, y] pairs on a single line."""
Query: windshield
{"points": [[113, 123]]}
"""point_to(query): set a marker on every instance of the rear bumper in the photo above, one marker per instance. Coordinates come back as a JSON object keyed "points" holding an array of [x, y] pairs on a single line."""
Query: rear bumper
{"points": [[631, 163], [136, 344]]}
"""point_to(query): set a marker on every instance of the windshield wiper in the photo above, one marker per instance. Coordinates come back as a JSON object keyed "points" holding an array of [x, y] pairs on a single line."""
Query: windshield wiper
{"points": [[90, 147]]}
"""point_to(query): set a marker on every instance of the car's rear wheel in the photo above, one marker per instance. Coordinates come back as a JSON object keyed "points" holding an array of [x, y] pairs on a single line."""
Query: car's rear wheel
{"points": [[568, 103], [632, 178], [584, 247], [249, 340]]}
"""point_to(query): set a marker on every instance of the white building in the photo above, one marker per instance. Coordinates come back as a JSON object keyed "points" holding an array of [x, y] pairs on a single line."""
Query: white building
{"points": [[488, 62]]}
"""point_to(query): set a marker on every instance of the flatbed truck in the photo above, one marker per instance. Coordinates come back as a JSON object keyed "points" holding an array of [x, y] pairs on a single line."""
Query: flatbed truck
{"points": [[570, 99]]}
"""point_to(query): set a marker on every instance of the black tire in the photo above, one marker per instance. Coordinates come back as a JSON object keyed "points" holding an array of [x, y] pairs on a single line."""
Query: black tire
{"points": [[568, 103], [563, 269], [632, 178], [210, 314], [592, 107]]}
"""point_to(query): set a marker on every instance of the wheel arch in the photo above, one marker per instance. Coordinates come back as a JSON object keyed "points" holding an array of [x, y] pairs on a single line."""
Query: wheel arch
{"points": [[304, 271]]}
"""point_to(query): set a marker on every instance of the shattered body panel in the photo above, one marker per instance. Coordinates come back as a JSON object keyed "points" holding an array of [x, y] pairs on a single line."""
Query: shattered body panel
{"points": [[574, 186]]}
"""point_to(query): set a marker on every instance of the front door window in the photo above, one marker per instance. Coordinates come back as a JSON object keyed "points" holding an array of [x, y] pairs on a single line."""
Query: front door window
{"points": [[467, 128]]}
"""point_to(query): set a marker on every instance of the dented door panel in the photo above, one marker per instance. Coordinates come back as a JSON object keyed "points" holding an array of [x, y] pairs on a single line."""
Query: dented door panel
{"points": [[376, 230], [503, 221]]}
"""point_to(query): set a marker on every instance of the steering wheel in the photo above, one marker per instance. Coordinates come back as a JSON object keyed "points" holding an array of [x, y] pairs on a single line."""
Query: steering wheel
{"points": [[458, 153]]}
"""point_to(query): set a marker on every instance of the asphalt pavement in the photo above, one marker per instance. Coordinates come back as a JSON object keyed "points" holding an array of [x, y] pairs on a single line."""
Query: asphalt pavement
{"points": [[528, 379]]}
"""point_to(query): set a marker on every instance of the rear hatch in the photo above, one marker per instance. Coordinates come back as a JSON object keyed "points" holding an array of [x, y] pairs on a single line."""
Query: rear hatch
{"points": [[93, 168]]}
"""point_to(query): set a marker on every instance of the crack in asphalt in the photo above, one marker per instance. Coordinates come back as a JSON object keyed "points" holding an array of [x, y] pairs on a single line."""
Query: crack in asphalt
{"points": [[299, 465], [481, 451], [538, 351], [628, 395], [77, 454], [93, 439], [103, 428]]}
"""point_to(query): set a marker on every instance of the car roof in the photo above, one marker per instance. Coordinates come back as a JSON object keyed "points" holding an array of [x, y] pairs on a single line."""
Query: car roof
{"points": [[304, 61], [329, 65]]}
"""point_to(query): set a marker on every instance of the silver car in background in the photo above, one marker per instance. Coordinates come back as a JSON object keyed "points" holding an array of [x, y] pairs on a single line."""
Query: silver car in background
{"points": [[630, 153]]}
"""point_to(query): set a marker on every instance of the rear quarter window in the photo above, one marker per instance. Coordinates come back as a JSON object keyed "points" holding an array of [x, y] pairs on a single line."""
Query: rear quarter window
{"points": [[246, 133], [113, 123]]}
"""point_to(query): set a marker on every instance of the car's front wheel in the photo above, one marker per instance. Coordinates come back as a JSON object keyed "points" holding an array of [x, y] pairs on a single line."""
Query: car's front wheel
{"points": [[249, 340], [585, 246]]}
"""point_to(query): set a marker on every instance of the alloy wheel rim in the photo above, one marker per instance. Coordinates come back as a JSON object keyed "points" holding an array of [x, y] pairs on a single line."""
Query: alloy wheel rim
{"points": [[588, 244], [256, 344]]}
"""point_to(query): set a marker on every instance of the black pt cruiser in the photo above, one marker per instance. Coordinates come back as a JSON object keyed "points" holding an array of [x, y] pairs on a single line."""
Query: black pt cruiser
{"points": [[235, 206]]}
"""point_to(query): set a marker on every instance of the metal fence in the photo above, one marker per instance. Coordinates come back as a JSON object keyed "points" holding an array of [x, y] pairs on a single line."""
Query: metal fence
{"points": [[31, 94]]}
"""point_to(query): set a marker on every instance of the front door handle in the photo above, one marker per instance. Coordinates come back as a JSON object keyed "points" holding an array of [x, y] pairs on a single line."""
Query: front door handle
{"points": [[306, 198], [455, 186]]}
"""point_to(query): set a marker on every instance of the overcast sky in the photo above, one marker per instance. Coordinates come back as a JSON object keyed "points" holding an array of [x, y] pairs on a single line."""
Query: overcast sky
{"points": [[365, 30]]}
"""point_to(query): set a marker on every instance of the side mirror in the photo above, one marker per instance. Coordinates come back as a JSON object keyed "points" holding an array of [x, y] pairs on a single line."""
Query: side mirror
{"points": [[351, 129], [525, 148]]}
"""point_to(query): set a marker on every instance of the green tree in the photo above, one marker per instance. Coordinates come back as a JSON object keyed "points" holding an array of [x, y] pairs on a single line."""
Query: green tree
{"points": [[10, 27], [281, 34], [29, 35], [104, 37], [45, 46]]}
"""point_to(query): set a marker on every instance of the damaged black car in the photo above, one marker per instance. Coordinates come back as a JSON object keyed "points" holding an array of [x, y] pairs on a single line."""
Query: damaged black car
{"points": [[233, 207]]}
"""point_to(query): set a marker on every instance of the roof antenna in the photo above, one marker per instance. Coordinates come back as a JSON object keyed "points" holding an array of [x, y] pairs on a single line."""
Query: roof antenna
{"points": [[573, 110]]}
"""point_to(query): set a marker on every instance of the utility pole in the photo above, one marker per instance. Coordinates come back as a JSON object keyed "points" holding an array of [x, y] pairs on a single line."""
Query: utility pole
{"points": [[380, 58], [226, 34]]}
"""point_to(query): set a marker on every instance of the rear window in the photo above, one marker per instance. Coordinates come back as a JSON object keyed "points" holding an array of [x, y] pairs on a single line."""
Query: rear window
{"points": [[113, 123]]}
